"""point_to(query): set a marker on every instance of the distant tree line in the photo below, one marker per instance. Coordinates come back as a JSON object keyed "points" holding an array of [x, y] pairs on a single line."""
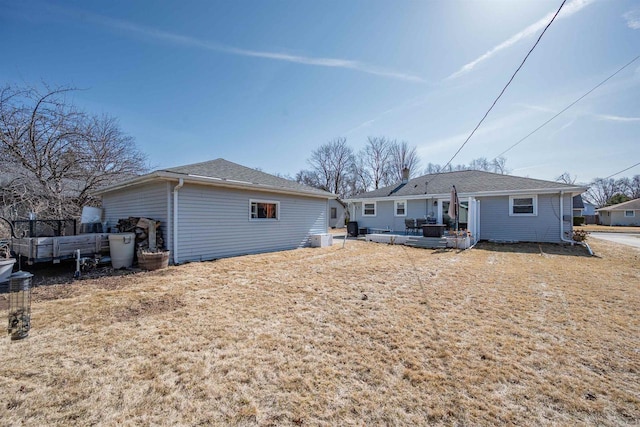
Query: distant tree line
{"points": [[335, 167], [54, 155], [608, 191]]}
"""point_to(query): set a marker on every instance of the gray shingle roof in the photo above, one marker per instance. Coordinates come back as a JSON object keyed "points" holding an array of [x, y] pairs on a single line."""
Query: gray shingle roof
{"points": [[626, 206], [471, 181], [225, 170]]}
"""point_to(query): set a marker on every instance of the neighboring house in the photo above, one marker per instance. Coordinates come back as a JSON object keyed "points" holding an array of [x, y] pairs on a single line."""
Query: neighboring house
{"points": [[589, 208], [627, 213], [589, 213], [578, 205], [337, 213], [218, 209], [493, 206]]}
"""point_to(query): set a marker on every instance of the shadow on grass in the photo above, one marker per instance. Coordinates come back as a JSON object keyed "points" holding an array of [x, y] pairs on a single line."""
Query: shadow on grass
{"points": [[535, 248], [47, 273]]}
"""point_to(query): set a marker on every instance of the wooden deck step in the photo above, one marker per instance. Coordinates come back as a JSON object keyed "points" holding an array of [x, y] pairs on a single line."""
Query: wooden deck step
{"points": [[427, 242]]}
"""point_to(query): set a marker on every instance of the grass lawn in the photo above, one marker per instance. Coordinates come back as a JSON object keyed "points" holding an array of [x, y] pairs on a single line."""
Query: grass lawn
{"points": [[608, 228], [371, 334]]}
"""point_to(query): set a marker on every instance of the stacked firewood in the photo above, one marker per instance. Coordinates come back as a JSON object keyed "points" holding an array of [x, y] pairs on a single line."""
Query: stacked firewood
{"points": [[144, 229]]}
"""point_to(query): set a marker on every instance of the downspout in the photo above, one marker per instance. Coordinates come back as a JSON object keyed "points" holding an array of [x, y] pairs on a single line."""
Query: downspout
{"points": [[175, 220], [573, 242]]}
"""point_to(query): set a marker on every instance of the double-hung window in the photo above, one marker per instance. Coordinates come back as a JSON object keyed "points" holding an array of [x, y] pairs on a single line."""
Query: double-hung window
{"points": [[523, 205], [369, 209], [264, 210], [629, 214], [400, 208]]}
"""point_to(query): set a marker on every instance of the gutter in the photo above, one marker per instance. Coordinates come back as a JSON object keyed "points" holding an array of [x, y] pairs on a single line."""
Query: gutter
{"points": [[571, 241], [477, 194], [175, 220]]}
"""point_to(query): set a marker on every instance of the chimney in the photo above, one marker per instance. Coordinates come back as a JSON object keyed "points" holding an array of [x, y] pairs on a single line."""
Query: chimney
{"points": [[405, 175]]}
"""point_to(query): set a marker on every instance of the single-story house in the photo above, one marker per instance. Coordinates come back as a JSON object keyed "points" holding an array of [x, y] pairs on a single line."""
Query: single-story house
{"points": [[219, 209], [337, 213], [627, 213], [492, 206]]}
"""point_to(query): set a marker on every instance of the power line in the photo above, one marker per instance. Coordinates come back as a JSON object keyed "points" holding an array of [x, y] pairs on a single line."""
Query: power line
{"points": [[623, 170], [505, 87], [569, 106]]}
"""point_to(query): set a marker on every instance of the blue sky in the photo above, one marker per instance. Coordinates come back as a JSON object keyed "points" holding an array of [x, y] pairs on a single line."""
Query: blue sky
{"points": [[263, 83]]}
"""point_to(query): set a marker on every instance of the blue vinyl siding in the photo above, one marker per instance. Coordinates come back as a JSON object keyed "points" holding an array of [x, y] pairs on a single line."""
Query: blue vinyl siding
{"points": [[497, 224], [214, 223]]}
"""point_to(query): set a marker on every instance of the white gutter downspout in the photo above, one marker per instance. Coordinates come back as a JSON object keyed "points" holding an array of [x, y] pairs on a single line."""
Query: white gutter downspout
{"points": [[175, 220], [573, 242]]}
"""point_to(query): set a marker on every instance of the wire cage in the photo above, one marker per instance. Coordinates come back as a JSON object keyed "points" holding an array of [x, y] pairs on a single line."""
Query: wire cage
{"points": [[19, 305]]}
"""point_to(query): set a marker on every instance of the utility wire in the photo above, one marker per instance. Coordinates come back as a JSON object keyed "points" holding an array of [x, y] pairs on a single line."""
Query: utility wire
{"points": [[505, 87], [623, 170], [569, 106]]}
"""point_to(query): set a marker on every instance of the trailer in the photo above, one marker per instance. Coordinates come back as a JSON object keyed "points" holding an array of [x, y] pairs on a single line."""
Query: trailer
{"points": [[57, 248]]}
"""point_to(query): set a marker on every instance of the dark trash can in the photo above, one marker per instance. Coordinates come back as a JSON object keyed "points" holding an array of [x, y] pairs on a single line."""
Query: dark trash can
{"points": [[433, 230], [352, 228]]}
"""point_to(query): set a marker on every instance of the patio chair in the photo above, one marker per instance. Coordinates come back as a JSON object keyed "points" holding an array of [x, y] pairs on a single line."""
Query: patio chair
{"points": [[419, 223], [409, 225]]}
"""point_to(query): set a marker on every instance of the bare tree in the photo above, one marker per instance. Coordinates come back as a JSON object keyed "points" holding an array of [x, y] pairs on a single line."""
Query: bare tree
{"points": [[361, 177], [56, 155], [402, 156], [497, 165], [601, 191], [311, 178], [630, 186], [375, 160], [333, 162], [566, 178]]}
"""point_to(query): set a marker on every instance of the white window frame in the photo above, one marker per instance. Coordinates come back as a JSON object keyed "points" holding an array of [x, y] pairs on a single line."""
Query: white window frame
{"points": [[364, 210], [533, 197], [333, 212], [271, 202], [633, 213], [395, 207]]}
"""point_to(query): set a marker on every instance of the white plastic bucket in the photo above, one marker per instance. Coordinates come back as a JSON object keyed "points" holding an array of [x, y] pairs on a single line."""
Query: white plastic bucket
{"points": [[90, 214], [6, 265], [121, 248]]}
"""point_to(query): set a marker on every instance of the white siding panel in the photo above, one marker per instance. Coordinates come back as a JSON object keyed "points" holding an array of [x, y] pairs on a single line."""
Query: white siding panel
{"points": [[149, 201], [214, 223], [618, 218]]}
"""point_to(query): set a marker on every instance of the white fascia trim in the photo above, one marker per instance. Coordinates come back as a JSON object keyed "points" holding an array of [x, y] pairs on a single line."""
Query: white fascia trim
{"points": [[573, 191]]}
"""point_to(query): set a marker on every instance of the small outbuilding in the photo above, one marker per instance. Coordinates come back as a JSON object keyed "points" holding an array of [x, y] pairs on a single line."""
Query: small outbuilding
{"points": [[218, 209]]}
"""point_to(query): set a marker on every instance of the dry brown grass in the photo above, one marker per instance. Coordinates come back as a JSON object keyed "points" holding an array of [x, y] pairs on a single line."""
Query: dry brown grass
{"points": [[370, 334], [608, 228]]}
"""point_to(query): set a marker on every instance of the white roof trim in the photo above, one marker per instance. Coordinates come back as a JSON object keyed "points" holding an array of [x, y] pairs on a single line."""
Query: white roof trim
{"points": [[569, 190]]}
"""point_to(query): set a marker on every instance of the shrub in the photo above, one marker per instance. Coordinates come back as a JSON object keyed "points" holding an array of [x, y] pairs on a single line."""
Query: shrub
{"points": [[580, 235], [578, 220]]}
